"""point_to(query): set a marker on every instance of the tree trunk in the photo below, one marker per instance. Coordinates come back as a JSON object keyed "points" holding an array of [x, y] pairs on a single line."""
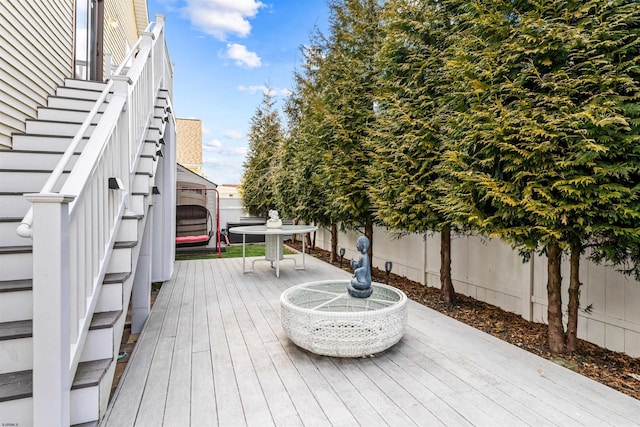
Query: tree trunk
{"points": [[368, 232], [556, 335], [574, 300], [309, 243], [313, 242], [334, 241], [446, 286]]}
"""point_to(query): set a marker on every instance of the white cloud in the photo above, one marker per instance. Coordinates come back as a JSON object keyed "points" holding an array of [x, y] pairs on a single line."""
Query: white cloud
{"points": [[219, 149], [274, 91], [240, 151], [242, 57], [233, 134], [213, 145], [221, 17]]}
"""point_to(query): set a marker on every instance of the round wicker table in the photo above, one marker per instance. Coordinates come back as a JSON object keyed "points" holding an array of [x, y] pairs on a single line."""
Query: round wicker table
{"points": [[323, 318]]}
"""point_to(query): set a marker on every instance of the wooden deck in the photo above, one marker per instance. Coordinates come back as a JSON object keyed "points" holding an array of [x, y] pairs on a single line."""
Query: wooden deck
{"points": [[213, 353]]}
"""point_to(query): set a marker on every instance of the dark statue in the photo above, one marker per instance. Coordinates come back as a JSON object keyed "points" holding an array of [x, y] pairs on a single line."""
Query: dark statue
{"points": [[360, 285]]}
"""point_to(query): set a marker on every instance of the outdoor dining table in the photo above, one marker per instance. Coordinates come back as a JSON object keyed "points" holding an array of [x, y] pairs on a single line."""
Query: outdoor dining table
{"points": [[274, 243]]}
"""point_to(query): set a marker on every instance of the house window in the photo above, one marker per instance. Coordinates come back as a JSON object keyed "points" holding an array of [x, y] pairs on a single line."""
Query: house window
{"points": [[89, 27]]}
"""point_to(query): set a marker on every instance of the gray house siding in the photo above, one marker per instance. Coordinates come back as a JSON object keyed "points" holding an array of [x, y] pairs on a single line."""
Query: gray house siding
{"points": [[36, 55]]}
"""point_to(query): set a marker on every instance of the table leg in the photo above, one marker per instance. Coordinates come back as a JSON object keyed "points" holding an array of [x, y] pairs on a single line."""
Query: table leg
{"points": [[244, 270], [278, 250], [303, 250]]}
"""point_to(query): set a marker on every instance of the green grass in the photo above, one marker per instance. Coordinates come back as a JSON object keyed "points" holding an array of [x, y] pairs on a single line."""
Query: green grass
{"points": [[250, 250], [231, 252]]}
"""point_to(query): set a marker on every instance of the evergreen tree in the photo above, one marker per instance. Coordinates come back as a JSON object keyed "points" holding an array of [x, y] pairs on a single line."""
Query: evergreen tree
{"points": [[302, 186], [348, 76], [544, 142], [261, 164], [408, 142]]}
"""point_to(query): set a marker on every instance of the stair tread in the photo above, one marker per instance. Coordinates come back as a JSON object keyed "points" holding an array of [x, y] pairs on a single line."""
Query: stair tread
{"points": [[37, 152], [116, 277], [75, 110], [44, 135], [127, 244], [16, 329], [24, 328], [16, 285], [104, 320], [57, 121], [132, 216], [19, 385], [16, 385], [16, 250], [89, 374]]}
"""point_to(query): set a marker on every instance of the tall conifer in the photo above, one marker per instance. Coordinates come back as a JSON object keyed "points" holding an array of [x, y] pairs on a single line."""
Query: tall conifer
{"points": [[261, 163]]}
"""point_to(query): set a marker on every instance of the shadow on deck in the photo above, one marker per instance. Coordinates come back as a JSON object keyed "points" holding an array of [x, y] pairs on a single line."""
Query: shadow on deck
{"points": [[213, 352]]}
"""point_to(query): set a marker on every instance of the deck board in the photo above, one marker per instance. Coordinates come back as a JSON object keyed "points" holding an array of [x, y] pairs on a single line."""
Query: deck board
{"points": [[213, 353]]}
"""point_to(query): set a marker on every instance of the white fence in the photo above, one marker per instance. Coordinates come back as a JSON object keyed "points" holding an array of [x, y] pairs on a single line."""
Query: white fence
{"points": [[490, 271]]}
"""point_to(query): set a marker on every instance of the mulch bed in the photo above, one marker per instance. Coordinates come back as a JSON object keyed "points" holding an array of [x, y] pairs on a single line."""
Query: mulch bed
{"points": [[614, 369]]}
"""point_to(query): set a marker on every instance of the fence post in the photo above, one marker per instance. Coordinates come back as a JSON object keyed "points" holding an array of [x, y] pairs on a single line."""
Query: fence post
{"points": [[51, 309]]}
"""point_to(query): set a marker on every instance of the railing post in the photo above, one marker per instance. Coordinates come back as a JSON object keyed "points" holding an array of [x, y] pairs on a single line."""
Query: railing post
{"points": [[121, 88], [51, 309], [108, 65], [160, 61], [141, 293]]}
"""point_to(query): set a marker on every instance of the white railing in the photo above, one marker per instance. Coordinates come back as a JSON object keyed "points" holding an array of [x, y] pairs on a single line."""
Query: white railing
{"points": [[74, 230]]}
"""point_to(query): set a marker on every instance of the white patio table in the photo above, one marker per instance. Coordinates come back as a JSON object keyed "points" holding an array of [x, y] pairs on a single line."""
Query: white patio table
{"points": [[274, 247]]}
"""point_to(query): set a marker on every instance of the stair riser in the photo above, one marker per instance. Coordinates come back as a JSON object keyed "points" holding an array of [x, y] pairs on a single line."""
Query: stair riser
{"points": [[69, 92], [15, 306], [56, 128], [16, 266], [153, 134], [99, 345], [145, 165], [84, 84], [86, 406], [110, 298], [150, 148], [45, 143], [26, 182], [17, 412], [59, 115], [141, 184], [158, 122], [90, 404], [28, 160], [14, 206], [138, 204], [16, 355], [120, 261], [104, 343], [128, 230], [71, 103]]}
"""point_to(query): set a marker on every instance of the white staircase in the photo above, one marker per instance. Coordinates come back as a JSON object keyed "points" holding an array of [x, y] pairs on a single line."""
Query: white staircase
{"points": [[24, 169]]}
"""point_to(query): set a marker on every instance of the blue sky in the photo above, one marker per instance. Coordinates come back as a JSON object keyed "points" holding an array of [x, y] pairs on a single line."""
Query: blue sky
{"points": [[225, 53]]}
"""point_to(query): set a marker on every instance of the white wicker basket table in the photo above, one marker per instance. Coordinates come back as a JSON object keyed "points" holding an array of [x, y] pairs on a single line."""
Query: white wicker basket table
{"points": [[323, 318]]}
